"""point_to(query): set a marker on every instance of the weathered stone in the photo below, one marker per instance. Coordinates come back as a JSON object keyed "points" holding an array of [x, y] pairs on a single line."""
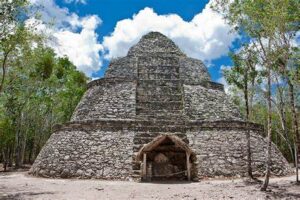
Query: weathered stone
{"points": [[155, 90]]}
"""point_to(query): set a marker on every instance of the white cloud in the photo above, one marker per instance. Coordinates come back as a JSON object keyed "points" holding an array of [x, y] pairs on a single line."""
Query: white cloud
{"points": [[72, 36], [222, 79], [82, 48], [205, 37], [225, 67], [76, 1]]}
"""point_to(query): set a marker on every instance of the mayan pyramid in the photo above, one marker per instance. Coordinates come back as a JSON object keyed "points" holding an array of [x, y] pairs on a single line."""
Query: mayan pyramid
{"points": [[155, 115]]}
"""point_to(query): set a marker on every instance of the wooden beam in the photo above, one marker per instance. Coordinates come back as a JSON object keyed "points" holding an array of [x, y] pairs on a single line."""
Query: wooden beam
{"points": [[188, 166], [145, 167]]}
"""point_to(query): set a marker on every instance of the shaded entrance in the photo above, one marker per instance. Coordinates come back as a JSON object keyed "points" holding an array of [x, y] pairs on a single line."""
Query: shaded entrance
{"points": [[166, 157]]}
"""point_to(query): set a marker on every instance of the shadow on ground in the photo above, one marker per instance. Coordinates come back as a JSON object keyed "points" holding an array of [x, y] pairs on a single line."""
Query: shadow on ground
{"points": [[284, 191], [21, 195]]}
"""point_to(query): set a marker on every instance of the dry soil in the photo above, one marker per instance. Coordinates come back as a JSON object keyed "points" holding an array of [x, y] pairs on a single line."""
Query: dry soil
{"points": [[19, 185]]}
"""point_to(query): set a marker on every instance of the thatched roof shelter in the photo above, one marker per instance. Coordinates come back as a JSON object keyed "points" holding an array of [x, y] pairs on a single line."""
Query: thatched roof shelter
{"points": [[159, 140]]}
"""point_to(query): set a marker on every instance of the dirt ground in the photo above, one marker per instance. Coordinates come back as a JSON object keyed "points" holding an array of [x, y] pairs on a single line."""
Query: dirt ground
{"points": [[19, 185]]}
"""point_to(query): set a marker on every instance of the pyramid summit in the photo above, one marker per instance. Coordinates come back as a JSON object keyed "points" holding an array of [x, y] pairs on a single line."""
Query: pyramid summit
{"points": [[156, 115], [155, 43]]}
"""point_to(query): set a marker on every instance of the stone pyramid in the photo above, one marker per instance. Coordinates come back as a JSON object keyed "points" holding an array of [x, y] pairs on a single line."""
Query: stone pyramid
{"points": [[156, 114]]}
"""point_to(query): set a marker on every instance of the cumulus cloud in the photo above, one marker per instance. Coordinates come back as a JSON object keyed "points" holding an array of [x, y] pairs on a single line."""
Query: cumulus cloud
{"points": [[205, 37], [72, 36], [225, 67], [222, 79], [76, 1]]}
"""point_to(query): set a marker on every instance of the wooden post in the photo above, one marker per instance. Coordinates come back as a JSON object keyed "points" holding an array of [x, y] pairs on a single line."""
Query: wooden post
{"points": [[297, 162], [188, 166], [149, 172], [145, 167]]}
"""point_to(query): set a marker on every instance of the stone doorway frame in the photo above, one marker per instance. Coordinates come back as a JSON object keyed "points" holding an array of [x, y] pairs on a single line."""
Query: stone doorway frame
{"points": [[179, 143]]}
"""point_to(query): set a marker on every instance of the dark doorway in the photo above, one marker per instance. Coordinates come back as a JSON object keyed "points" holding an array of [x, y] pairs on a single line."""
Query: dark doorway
{"points": [[166, 158]]}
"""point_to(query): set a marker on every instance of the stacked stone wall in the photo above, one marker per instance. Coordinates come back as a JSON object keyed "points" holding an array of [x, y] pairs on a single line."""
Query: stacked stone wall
{"points": [[122, 67], [103, 154], [155, 44], [223, 152], [193, 71], [208, 104], [109, 98]]}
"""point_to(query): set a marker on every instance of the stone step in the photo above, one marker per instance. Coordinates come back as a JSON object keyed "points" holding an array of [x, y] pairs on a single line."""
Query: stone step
{"points": [[159, 69], [143, 85], [159, 102], [161, 129], [157, 112], [136, 176], [136, 165], [175, 105], [155, 61], [161, 123], [161, 90], [154, 76], [160, 115], [160, 98], [160, 82], [137, 172]]}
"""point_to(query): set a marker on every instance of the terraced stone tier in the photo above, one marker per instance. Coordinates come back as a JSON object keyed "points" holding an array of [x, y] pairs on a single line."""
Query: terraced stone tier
{"points": [[106, 149]]}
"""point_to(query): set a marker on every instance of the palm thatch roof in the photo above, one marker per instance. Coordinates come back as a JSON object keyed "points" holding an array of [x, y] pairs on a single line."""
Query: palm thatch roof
{"points": [[159, 139]]}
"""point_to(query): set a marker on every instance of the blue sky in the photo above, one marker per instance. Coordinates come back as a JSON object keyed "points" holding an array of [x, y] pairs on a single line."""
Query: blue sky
{"points": [[91, 32]]}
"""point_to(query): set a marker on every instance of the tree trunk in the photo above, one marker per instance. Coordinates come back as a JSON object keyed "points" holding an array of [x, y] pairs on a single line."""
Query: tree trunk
{"points": [[18, 150], [249, 167], [3, 71], [10, 155], [4, 152], [18, 146], [268, 164], [295, 122], [282, 116], [23, 149]]}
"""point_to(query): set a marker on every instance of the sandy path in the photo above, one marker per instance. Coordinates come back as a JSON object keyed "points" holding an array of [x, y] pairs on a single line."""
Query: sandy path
{"points": [[18, 185]]}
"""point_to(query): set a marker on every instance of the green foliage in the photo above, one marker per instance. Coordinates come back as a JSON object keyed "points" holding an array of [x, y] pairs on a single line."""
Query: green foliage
{"points": [[244, 70], [10, 11], [40, 90], [37, 88], [272, 27], [45, 64]]}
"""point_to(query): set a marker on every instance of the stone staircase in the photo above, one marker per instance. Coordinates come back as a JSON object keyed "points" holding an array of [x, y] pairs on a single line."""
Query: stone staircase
{"points": [[159, 90], [159, 100]]}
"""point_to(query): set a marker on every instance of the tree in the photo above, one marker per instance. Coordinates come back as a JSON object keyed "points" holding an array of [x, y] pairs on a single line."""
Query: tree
{"points": [[241, 75], [43, 91], [9, 30], [38, 89], [270, 26]]}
